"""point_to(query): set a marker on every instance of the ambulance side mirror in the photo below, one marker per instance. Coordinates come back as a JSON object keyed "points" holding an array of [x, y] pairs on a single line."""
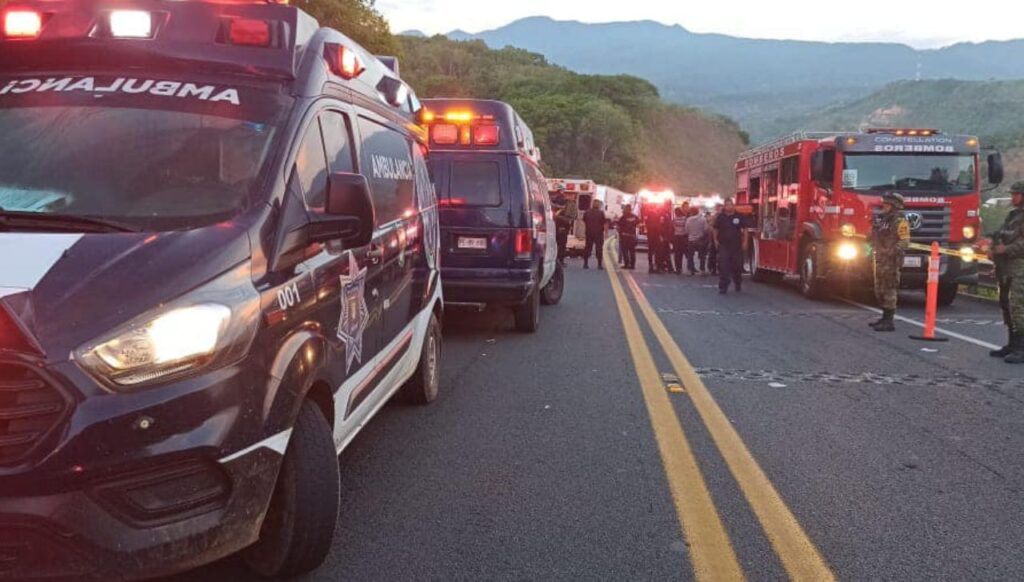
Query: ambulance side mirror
{"points": [[996, 172], [348, 215]]}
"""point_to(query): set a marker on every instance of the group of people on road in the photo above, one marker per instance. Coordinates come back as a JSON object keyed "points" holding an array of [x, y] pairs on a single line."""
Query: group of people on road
{"points": [[712, 243]]}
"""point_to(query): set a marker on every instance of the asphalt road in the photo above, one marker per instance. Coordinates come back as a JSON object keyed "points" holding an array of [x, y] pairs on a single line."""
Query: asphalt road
{"points": [[825, 448]]}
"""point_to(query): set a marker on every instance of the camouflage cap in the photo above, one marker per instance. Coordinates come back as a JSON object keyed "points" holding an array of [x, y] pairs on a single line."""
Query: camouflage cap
{"points": [[894, 198], [1017, 188]]}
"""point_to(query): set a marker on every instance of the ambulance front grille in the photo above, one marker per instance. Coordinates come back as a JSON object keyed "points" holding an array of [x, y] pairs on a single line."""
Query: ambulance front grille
{"points": [[30, 409]]}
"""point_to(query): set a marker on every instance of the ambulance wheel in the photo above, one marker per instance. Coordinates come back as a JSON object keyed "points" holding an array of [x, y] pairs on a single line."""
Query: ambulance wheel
{"points": [[552, 294], [528, 314], [425, 384], [298, 530], [948, 293], [811, 284]]}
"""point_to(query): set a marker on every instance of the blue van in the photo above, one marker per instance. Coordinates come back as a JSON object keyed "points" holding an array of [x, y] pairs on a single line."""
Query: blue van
{"points": [[497, 228]]}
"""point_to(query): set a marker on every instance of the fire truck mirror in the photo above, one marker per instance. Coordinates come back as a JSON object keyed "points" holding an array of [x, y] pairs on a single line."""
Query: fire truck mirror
{"points": [[996, 173]]}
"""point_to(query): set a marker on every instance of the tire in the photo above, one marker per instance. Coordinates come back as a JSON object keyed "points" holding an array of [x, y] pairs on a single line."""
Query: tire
{"points": [[552, 294], [528, 314], [425, 384], [298, 530], [811, 285], [948, 293]]}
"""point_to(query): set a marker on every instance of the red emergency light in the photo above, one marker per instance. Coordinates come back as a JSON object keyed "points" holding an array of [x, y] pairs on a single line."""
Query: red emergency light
{"points": [[445, 134], [486, 135], [249, 32], [22, 24], [343, 61]]}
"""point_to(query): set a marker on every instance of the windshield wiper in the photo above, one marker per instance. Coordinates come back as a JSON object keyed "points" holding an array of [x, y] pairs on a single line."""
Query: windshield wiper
{"points": [[61, 222]]}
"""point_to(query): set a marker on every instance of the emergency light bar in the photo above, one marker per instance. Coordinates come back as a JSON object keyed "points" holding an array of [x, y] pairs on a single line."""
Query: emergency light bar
{"points": [[458, 128], [904, 132]]}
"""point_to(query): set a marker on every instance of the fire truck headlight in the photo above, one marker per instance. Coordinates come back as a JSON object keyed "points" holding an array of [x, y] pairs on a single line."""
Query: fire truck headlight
{"points": [[967, 254], [970, 232], [849, 230], [847, 251]]}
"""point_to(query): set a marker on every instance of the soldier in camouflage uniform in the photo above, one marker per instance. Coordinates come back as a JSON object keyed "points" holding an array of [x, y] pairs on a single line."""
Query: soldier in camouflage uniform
{"points": [[890, 237], [1009, 259]]}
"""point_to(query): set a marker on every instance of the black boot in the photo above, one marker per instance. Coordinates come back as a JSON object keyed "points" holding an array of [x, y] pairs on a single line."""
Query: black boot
{"points": [[878, 321], [1006, 350], [1017, 347], [888, 322]]}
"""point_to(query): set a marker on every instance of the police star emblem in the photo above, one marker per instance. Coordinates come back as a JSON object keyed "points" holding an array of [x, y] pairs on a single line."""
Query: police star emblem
{"points": [[354, 314]]}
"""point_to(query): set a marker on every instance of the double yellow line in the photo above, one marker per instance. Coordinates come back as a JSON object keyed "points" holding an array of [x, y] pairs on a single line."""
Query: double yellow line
{"points": [[711, 551]]}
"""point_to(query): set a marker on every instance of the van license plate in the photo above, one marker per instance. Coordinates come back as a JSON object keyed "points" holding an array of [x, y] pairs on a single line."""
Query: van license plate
{"points": [[472, 243], [913, 262]]}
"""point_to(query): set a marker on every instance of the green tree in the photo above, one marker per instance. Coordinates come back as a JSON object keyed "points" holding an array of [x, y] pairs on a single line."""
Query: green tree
{"points": [[357, 19]]}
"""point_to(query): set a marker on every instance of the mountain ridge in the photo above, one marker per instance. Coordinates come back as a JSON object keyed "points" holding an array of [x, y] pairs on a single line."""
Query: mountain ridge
{"points": [[755, 81]]}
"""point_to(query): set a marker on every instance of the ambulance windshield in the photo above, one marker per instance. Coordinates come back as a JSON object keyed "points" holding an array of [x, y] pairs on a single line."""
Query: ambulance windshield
{"points": [[150, 168]]}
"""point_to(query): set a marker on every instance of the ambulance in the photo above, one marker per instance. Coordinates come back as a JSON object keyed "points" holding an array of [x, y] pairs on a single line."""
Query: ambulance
{"points": [[218, 261]]}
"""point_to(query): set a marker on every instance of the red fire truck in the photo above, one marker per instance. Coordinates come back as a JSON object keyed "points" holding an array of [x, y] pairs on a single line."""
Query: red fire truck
{"points": [[814, 197]]}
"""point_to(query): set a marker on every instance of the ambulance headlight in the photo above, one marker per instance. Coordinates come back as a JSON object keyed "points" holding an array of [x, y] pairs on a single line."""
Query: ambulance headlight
{"points": [[211, 327], [847, 251]]}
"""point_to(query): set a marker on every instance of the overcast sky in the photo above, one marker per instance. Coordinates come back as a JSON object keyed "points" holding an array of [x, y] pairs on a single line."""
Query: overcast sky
{"points": [[921, 23]]}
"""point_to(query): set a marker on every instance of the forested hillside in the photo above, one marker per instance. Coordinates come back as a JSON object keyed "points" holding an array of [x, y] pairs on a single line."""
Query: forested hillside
{"points": [[613, 129]]}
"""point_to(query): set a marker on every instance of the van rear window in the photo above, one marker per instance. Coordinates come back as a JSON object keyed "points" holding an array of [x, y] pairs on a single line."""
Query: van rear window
{"points": [[475, 184]]}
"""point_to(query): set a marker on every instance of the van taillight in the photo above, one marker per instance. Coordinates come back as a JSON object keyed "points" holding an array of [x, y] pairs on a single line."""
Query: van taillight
{"points": [[524, 243]]}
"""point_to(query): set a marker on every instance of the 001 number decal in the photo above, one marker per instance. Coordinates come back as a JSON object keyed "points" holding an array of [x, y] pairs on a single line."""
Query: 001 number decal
{"points": [[289, 296]]}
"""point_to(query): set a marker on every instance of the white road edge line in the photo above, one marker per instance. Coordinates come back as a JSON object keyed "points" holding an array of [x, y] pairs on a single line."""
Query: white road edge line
{"points": [[951, 334]]}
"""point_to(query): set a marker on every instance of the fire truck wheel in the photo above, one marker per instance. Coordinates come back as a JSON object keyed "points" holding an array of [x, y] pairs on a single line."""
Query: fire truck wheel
{"points": [[948, 293], [811, 284]]}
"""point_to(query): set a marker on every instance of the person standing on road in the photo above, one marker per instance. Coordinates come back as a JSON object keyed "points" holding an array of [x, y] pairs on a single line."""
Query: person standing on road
{"points": [[680, 241], [565, 218], [697, 231], [712, 245], [890, 237], [1009, 259], [652, 223], [627, 227], [730, 234], [597, 230]]}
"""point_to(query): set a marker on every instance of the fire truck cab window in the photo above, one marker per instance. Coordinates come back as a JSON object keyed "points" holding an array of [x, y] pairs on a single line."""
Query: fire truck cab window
{"points": [[914, 173]]}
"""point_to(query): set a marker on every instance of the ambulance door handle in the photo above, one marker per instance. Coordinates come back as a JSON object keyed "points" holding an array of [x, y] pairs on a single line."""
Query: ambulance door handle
{"points": [[375, 255]]}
